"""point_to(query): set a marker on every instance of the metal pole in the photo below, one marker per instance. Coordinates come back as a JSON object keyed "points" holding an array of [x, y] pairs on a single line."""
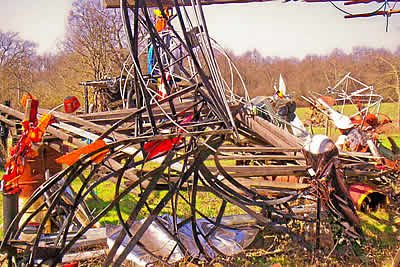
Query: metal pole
{"points": [[10, 207], [318, 226], [86, 99], [10, 210], [326, 126]]}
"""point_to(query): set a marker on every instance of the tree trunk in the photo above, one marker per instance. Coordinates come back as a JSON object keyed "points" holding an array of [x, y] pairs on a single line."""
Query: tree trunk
{"points": [[396, 74]]}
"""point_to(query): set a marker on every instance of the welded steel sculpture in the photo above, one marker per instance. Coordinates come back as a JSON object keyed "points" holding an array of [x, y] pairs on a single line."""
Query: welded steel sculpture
{"points": [[184, 122]]}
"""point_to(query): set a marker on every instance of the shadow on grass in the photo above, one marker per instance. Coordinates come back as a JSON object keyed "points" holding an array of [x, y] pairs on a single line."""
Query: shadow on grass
{"points": [[381, 230], [381, 224], [127, 204]]}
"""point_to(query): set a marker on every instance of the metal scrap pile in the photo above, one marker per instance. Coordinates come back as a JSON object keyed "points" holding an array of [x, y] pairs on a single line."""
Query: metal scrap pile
{"points": [[181, 126], [354, 110]]}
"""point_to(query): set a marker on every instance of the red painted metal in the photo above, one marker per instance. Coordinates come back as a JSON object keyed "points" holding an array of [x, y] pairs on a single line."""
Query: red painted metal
{"points": [[71, 103]]}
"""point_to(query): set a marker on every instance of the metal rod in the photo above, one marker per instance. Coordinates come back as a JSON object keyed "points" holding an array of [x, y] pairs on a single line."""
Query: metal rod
{"points": [[86, 99], [318, 223]]}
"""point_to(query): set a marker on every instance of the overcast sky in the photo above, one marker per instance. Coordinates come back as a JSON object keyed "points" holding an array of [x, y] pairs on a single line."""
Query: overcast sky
{"points": [[292, 29]]}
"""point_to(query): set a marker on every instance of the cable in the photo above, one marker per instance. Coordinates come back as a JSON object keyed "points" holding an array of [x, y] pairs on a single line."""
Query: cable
{"points": [[338, 8], [351, 14]]}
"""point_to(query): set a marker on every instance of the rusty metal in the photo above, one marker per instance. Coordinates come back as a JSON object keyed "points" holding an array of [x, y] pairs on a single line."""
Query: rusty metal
{"points": [[165, 141]]}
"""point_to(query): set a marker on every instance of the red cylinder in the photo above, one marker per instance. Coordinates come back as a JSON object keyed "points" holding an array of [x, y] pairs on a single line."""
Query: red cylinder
{"points": [[71, 103], [365, 197]]}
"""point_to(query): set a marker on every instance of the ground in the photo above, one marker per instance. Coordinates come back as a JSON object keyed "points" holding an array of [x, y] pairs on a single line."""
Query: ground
{"points": [[381, 230]]}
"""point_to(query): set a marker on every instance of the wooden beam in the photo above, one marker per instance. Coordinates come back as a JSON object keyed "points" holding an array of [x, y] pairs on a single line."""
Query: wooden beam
{"points": [[11, 112], [260, 157], [170, 3], [270, 170], [7, 121], [376, 13], [113, 119], [188, 126], [188, 134], [259, 149], [73, 119], [350, 172], [278, 136], [260, 182], [112, 114], [84, 255], [78, 131], [274, 135], [352, 2], [120, 114]]}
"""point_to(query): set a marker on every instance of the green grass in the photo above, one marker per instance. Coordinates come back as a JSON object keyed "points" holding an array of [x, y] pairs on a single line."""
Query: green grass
{"points": [[206, 204], [381, 229]]}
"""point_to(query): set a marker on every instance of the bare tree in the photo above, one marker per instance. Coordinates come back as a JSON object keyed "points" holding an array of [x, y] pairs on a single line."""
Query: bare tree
{"points": [[96, 35], [16, 63], [394, 73]]}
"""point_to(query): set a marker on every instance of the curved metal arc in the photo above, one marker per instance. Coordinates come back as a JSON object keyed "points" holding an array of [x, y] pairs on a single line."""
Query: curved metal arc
{"points": [[78, 200], [36, 195], [47, 215]]}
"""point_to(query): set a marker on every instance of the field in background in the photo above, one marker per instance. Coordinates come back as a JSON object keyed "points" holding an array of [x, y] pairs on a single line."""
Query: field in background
{"points": [[387, 110]]}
